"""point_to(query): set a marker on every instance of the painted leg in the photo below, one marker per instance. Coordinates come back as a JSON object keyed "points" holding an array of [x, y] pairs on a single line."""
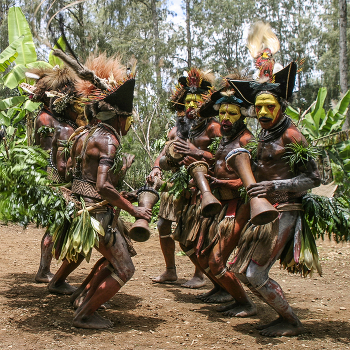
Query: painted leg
{"points": [[44, 274], [58, 284], [167, 245], [105, 284], [77, 297], [243, 306], [288, 323]]}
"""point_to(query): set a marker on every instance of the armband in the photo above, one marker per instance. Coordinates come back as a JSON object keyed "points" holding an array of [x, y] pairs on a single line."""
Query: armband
{"points": [[106, 161]]}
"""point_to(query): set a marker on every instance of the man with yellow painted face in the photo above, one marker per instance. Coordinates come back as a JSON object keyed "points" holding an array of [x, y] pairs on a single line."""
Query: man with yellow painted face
{"points": [[185, 100], [219, 234], [196, 148], [96, 170], [283, 186]]}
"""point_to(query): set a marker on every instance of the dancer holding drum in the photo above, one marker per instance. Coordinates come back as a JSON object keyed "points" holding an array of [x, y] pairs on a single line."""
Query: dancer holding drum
{"points": [[185, 100], [261, 246], [218, 235]]}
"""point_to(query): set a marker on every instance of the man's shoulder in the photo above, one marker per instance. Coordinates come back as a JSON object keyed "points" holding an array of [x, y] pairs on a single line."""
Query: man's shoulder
{"points": [[104, 138], [44, 118], [246, 137], [213, 127], [293, 135]]}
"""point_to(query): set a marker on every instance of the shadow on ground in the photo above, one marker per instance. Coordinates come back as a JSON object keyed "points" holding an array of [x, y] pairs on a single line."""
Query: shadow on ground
{"points": [[38, 310]]}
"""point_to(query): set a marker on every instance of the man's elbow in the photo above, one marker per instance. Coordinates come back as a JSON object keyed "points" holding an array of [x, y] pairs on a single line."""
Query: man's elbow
{"points": [[103, 189]]}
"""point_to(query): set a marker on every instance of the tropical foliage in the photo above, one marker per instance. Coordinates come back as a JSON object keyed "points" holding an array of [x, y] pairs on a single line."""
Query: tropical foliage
{"points": [[324, 131]]}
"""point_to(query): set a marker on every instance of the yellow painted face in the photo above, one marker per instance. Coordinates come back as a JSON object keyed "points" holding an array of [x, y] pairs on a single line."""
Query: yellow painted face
{"points": [[268, 110], [129, 121], [192, 101], [229, 112]]}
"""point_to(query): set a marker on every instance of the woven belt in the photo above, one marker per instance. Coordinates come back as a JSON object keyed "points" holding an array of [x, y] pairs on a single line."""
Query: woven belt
{"points": [[84, 188], [53, 175]]}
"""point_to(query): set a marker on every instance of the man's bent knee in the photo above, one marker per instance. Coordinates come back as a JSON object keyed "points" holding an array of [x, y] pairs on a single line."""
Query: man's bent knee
{"points": [[256, 275], [121, 274], [164, 225]]}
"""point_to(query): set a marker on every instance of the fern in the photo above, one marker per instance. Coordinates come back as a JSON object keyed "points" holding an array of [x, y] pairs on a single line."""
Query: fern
{"points": [[298, 155], [252, 147], [213, 147], [118, 160], [179, 182], [45, 130]]}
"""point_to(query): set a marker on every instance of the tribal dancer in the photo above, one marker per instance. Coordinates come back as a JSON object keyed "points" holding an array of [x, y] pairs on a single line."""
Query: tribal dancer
{"points": [[283, 186], [169, 206], [201, 135], [53, 127], [96, 173], [219, 235]]}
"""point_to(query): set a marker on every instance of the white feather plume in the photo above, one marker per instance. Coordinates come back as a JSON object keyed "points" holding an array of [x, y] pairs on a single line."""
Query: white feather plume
{"points": [[260, 37]]}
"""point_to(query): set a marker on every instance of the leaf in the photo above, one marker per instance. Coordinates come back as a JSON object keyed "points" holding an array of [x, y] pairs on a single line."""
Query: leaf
{"points": [[309, 126], [97, 226], [293, 113], [343, 105], [9, 54], [22, 114], [39, 64], [53, 60], [11, 102], [4, 120], [16, 76], [17, 27], [31, 106], [317, 113]]}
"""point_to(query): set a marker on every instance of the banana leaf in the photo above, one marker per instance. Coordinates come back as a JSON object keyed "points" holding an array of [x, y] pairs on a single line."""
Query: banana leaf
{"points": [[54, 60], [11, 102], [9, 54], [15, 77], [18, 27]]}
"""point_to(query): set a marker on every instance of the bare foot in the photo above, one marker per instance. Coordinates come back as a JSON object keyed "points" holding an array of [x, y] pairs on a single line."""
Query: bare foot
{"points": [[263, 326], [43, 277], [78, 301], [63, 288], [241, 310], [105, 306], [224, 308], [194, 283], [94, 321], [203, 296], [283, 328], [168, 276], [222, 296]]}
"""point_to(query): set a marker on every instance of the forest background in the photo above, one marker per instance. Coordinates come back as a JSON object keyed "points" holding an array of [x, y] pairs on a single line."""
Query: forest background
{"points": [[168, 36]]}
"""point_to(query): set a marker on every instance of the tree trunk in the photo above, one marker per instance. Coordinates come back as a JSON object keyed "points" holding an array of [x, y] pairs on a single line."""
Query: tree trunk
{"points": [[188, 31], [156, 45], [343, 62]]}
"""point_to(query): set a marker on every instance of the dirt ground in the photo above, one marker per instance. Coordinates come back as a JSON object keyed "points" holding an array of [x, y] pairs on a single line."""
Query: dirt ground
{"points": [[167, 316]]}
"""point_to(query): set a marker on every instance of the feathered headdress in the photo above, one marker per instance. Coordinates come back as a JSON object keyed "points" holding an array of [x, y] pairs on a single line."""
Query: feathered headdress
{"points": [[57, 84], [61, 80], [263, 44], [226, 94], [282, 87], [196, 82], [106, 85]]}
